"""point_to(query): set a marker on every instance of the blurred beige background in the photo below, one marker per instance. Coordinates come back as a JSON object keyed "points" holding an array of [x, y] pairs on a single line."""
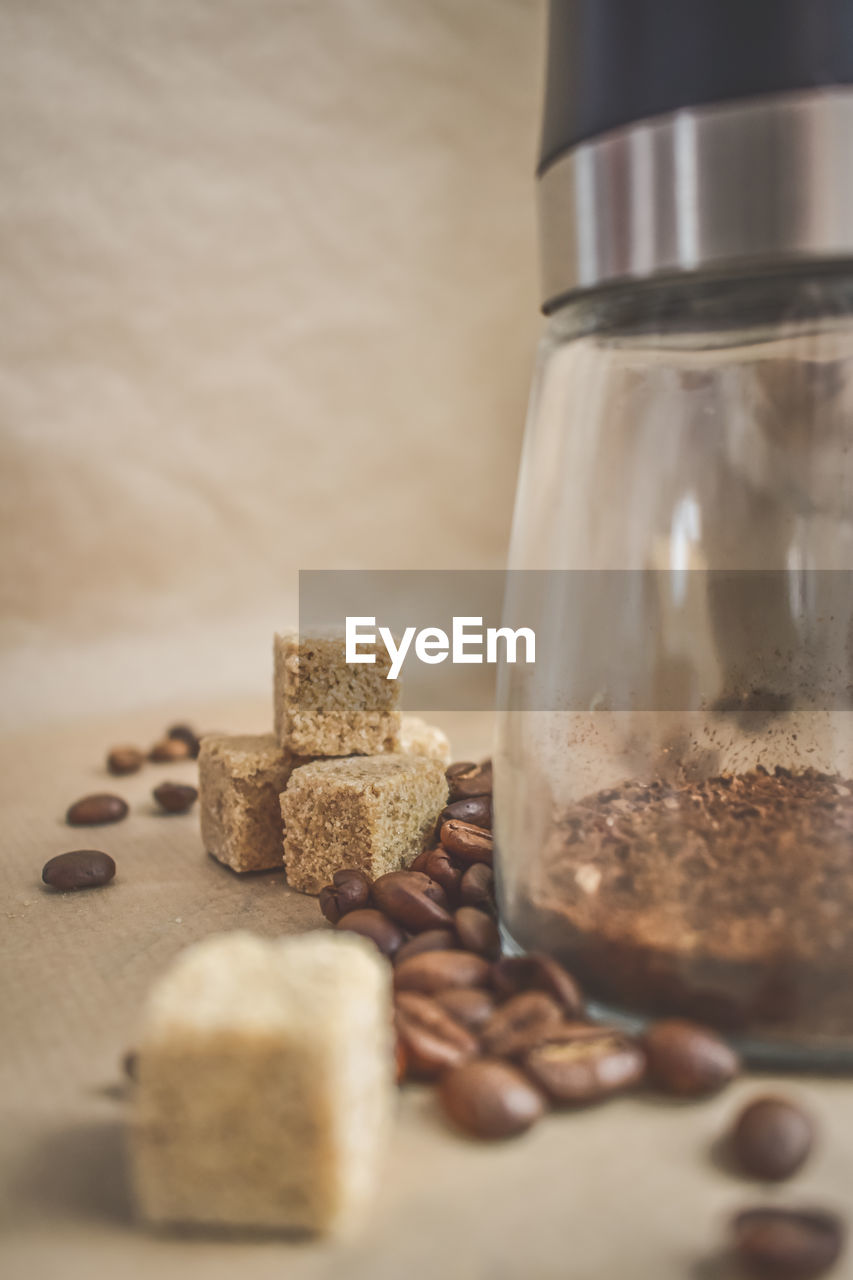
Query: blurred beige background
{"points": [[269, 302]]}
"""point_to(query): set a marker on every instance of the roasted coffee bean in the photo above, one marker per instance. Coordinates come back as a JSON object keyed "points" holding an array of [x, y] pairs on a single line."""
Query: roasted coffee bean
{"points": [[413, 900], [477, 811], [477, 886], [574, 1069], [183, 733], [436, 970], [465, 842], [169, 749], [787, 1244], [419, 863], [122, 760], [401, 1064], [432, 1039], [441, 868], [372, 924], [130, 1064], [466, 780], [430, 940], [79, 869], [175, 797], [349, 891], [538, 972], [478, 932], [687, 1059], [490, 1099], [521, 1024], [95, 811], [472, 1006], [772, 1138]]}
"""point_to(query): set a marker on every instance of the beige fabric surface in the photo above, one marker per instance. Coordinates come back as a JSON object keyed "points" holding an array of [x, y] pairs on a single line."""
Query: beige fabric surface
{"points": [[628, 1190], [269, 303]]}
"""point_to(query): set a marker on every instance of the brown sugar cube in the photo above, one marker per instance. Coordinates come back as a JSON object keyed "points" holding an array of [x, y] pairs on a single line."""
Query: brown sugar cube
{"points": [[418, 738], [240, 780], [264, 1089], [375, 812], [325, 706]]}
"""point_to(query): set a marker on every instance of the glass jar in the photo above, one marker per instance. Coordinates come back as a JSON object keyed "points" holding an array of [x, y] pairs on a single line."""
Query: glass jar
{"points": [[676, 823], [674, 783]]}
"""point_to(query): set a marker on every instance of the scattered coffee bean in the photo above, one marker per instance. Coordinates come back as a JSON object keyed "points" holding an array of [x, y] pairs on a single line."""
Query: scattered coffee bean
{"points": [[538, 972], [478, 932], [130, 1064], [430, 940], [772, 1138], [432, 1039], [435, 970], [466, 842], [440, 867], [477, 886], [183, 733], [169, 749], [175, 797], [472, 1006], [349, 891], [401, 1065], [589, 1067], [372, 924], [122, 760], [687, 1059], [521, 1024], [477, 811], [466, 780], [79, 869], [490, 1099], [413, 900], [95, 811], [787, 1244]]}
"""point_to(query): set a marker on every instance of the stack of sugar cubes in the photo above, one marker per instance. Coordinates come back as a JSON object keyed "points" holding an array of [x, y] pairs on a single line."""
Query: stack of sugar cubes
{"points": [[345, 780], [265, 1079]]}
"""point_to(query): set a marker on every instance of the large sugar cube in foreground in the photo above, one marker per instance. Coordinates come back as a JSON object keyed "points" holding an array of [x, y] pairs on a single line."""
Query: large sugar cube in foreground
{"points": [[241, 777], [372, 812], [264, 1085], [325, 706]]}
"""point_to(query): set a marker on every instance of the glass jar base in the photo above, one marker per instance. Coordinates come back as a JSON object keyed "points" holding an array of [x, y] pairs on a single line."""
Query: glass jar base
{"points": [[763, 1054]]}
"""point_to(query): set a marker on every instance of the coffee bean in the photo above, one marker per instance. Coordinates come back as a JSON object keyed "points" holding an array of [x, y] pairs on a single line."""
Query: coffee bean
{"points": [[477, 811], [175, 797], [95, 811], [183, 733], [521, 1024], [772, 1138], [169, 749], [490, 1099], [478, 932], [466, 780], [79, 869], [419, 863], [687, 1059], [468, 843], [413, 900], [432, 1039], [538, 972], [430, 940], [372, 924], [440, 867], [130, 1064], [787, 1244], [122, 760], [436, 970], [477, 886], [588, 1067], [349, 891], [472, 1006]]}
